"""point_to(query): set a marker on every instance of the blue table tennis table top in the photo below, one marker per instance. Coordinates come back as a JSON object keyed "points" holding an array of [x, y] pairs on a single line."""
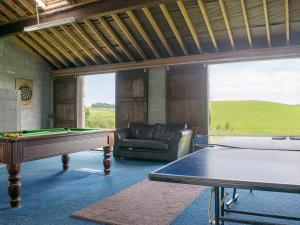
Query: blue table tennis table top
{"points": [[270, 164]]}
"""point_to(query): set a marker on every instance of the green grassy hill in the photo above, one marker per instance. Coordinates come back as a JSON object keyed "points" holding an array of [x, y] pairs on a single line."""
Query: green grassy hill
{"points": [[229, 118], [99, 117], [254, 118]]}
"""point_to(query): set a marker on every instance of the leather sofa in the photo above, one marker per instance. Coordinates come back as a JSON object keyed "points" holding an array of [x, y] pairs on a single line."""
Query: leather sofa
{"points": [[156, 142]]}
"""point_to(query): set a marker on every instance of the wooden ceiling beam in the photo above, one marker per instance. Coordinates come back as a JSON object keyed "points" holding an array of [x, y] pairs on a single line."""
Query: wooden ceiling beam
{"points": [[129, 35], [3, 19], [140, 28], [52, 51], [116, 38], [173, 28], [33, 52], [190, 25], [100, 36], [207, 23], [8, 13], [91, 42], [227, 23], [287, 21], [78, 11], [16, 8], [244, 10], [158, 31], [74, 37], [210, 58], [28, 6], [69, 45], [59, 47], [265, 6], [42, 53]]}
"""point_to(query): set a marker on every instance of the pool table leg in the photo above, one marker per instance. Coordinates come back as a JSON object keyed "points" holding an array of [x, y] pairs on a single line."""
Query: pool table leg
{"points": [[65, 160], [106, 160], [14, 186]]}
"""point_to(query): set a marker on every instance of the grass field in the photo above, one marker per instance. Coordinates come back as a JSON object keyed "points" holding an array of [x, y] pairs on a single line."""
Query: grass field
{"points": [[229, 118], [254, 118], [99, 117]]}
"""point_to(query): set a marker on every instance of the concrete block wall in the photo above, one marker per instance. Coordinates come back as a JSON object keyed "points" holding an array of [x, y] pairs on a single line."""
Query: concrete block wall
{"points": [[10, 119], [157, 95], [16, 62], [80, 103]]}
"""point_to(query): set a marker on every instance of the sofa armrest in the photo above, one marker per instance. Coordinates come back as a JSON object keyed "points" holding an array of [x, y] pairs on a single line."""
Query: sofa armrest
{"points": [[122, 133], [180, 143]]}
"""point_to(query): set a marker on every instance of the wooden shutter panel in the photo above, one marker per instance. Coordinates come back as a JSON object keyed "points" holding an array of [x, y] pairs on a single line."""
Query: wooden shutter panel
{"points": [[131, 97], [187, 96], [65, 102]]}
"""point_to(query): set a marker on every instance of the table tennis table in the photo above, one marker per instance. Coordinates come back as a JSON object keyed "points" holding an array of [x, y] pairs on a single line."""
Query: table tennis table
{"points": [[229, 164]]}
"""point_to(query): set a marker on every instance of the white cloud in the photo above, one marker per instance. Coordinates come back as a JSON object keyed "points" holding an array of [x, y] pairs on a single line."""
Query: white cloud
{"points": [[276, 80]]}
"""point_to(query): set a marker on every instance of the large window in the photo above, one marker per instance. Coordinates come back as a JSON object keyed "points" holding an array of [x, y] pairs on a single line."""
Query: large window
{"points": [[100, 101], [255, 98]]}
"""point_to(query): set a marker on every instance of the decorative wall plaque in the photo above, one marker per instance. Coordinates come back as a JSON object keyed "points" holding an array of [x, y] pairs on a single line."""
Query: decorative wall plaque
{"points": [[26, 88]]}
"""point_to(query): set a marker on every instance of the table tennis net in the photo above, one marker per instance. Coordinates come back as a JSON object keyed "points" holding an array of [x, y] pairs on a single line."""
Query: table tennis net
{"points": [[281, 143]]}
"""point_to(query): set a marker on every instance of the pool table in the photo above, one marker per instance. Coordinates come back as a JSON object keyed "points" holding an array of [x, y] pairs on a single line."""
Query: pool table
{"points": [[39, 144]]}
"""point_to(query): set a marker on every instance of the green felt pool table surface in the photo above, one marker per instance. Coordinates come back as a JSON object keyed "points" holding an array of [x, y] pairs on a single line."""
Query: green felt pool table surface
{"points": [[53, 131]]}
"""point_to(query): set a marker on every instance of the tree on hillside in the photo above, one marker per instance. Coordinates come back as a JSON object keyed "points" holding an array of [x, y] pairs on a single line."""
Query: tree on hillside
{"points": [[103, 105], [87, 112], [227, 126]]}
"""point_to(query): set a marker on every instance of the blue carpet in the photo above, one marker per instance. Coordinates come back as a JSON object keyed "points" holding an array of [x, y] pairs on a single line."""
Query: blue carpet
{"points": [[49, 196]]}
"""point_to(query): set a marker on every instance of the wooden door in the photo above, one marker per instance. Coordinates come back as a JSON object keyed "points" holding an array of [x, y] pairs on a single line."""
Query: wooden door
{"points": [[65, 101], [131, 97], [187, 96]]}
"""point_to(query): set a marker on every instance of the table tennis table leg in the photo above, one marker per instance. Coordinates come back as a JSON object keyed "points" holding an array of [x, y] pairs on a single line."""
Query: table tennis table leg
{"points": [[222, 202], [217, 206], [235, 196]]}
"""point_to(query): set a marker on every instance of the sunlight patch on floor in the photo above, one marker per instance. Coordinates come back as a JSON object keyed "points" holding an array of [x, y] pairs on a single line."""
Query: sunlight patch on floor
{"points": [[87, 170]]}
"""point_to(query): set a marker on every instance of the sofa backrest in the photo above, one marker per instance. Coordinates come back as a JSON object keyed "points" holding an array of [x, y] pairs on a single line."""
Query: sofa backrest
{"points": [[157, 131], [141, 131], [164, 132]]}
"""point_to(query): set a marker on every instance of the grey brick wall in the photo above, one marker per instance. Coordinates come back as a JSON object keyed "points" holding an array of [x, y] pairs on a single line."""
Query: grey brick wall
{"points": [[16, 62], [10, 114], [157, 96]]}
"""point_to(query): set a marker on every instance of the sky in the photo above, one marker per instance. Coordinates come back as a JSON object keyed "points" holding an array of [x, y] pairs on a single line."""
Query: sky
{"points": [[100, 88], [272, 80]]}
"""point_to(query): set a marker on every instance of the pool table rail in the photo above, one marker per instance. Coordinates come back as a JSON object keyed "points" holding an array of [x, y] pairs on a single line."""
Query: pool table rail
{"points": [[14, 151]]}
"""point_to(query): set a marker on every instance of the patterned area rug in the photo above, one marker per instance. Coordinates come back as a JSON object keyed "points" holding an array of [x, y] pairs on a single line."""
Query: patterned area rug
{"points": [[147, 203]]}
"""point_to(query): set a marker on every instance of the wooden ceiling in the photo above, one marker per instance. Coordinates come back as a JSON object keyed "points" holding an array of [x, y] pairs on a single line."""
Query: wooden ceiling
{"points": [[159, 30], [13, 10]]}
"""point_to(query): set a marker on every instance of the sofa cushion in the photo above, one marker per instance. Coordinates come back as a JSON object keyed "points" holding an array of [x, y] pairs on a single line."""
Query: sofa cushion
{"points": [[165, 132], [141, 131], [143, 143]]}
